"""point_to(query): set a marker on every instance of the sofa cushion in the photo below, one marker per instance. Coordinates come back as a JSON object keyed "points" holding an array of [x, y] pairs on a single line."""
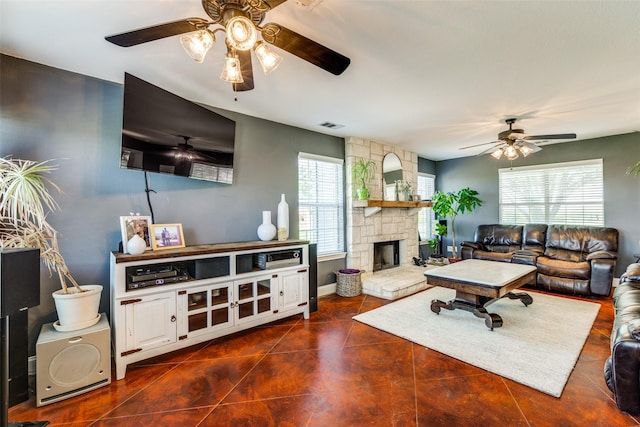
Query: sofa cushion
{"points": [[534, 237], [492, 256], [564, 268], [499, 237], [574, 243]]}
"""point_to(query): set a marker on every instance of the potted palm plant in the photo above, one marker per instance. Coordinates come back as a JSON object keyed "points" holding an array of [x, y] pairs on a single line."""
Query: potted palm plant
{"points": [[450, 205], [634, 170], [363, 171], [25, 201]]}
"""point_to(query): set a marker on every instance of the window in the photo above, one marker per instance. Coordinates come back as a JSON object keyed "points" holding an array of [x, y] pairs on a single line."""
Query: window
{"points": [[561, 193], [321, 202], [426, 188]]}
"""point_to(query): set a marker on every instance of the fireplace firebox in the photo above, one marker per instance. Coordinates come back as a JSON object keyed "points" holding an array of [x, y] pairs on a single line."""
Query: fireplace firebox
{"points": [[386, 255]]}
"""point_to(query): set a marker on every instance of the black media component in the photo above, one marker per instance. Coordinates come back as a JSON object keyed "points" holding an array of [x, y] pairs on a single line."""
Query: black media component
{"points": [[313, 277], [277, 259]]}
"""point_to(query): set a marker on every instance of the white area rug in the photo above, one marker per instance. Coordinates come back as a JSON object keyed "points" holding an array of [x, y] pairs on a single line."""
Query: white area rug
{"points": [[537, 346]]}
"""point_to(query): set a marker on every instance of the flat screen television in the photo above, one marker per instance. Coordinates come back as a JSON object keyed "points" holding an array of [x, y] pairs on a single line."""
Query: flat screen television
{"points": [[164, 133]]}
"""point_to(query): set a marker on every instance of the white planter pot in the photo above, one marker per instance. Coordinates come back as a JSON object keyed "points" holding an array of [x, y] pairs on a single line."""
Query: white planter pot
{"points": [[77, 310]]}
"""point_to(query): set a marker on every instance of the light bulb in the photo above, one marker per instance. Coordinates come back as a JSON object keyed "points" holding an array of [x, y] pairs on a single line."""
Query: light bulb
{"points": [[241, 33]]}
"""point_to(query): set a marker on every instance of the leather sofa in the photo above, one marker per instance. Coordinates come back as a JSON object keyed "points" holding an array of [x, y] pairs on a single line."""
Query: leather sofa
{"points": [[576, 260], [622, 368]]}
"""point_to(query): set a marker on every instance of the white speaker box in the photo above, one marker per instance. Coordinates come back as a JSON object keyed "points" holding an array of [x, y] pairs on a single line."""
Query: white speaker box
{"points": [[72, 363]]}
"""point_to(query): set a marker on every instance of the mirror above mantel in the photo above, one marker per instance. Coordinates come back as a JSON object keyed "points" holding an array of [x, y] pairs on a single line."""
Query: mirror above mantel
{"points": [[391, 172]]}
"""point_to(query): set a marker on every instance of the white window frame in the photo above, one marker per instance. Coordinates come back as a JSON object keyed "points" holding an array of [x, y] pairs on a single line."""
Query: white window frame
{"points": [[426, 218], [555, 193], [329, 245]]}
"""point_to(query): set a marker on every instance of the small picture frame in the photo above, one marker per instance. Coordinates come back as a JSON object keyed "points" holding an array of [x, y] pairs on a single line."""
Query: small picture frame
{"points": [[167, 236], [135, 224]]}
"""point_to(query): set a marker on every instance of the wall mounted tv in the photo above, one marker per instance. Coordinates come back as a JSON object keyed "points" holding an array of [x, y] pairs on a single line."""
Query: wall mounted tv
{"points": [[164, 133]]}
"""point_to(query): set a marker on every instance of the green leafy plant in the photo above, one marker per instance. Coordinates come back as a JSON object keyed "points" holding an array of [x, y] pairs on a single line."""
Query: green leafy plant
{"points": [[450, 205], [25, 201], [634, 170], [363, 171], [434, 242]]}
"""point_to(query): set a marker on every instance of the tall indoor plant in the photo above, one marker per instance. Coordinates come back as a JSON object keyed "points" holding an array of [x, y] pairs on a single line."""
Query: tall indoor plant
{"points": [[25, 202], [363, 171], [450, 205]]}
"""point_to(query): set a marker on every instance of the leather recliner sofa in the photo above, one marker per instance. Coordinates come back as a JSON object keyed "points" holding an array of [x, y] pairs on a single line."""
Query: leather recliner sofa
{"points": [[622, 368], [576, 260]]}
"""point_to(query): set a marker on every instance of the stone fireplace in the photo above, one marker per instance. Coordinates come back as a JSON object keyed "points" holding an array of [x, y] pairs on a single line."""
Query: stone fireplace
{"points": [[389, 224], [386, 255]]}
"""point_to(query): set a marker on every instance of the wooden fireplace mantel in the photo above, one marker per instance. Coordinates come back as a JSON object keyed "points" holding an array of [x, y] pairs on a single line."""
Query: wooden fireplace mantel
{"points": [[371, 207]]}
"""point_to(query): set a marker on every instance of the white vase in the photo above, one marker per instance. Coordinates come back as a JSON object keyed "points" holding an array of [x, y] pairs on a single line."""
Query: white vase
{"points": [[283, 219], [77, 310], [136, 245], [266, 230]]}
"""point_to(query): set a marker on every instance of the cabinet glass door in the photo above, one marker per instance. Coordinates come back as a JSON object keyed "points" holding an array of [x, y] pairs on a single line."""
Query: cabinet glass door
{"points": [[220, 303], [254, 297]]}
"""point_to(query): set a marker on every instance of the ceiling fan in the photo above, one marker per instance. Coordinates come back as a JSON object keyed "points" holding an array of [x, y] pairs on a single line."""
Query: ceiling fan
{"points": [[513, 142], [241, 20]]}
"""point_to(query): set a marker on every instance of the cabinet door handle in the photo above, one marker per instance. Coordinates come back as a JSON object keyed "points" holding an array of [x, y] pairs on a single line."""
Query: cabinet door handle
{"points": [[173, 318], [281, 293]]}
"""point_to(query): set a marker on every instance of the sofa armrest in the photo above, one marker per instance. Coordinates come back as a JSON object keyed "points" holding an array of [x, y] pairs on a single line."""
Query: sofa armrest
{"points": [[602, 276], [625, 373], [525, 257], [474, 245], [632, 274], [602, 255]]}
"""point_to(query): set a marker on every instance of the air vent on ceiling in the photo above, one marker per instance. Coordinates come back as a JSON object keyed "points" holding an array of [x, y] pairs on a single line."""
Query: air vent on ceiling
{"points": [[331, 125]]}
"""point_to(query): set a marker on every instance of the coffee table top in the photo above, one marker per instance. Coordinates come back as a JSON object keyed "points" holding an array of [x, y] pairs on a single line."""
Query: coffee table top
{"points": [[480, 272]]}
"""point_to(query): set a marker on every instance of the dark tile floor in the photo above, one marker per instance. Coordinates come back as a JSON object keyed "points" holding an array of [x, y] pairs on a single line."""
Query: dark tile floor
{"points": [[333, 371]]}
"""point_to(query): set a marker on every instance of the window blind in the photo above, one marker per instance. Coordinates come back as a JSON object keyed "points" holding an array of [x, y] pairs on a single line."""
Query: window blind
{"points": [[560, 193], [321, 202], [426, 188]]}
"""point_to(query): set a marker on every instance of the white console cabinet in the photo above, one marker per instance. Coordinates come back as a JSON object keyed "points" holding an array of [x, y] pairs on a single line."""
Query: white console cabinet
{"points": [[166, 300]]}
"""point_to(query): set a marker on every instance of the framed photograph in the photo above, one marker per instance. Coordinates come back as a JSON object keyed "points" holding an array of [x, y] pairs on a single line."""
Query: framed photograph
{"points": [[130, 225], [167, 236]]}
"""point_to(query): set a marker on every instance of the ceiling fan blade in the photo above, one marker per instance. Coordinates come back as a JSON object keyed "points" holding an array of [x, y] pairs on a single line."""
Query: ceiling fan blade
{"points": [[246, 68], [149, 34], [557, 136], [490, 150], [478, 145], [274, 3], [304, 48]]}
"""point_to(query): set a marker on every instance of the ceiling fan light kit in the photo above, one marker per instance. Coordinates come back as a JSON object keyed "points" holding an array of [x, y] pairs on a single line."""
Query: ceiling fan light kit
{"points": [[513, 142], [241, 20], [231, 71], [197, 44], [269, 60]]}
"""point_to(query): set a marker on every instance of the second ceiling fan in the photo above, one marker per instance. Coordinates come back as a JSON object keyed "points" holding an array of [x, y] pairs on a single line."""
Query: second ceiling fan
{"points": [[513, 142], [241, 20]]}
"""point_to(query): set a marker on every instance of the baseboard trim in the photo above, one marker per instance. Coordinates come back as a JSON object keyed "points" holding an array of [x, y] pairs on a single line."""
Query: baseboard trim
{"points": [[327, 289]]}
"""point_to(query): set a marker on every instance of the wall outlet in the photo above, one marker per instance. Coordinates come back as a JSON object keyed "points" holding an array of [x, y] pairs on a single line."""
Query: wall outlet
{"points": [[450, 249]]}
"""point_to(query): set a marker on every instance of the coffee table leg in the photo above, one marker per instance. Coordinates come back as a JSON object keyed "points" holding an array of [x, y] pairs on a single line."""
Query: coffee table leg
{"points": [[526, 299], [491, 320]]}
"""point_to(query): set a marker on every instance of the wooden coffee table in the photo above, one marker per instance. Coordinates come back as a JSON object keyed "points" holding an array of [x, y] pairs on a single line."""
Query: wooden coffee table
{"points": [[480, 283]]}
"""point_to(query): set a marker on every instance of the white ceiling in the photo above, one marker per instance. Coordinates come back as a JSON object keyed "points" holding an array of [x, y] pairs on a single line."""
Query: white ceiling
{"points": [[429, 76]]}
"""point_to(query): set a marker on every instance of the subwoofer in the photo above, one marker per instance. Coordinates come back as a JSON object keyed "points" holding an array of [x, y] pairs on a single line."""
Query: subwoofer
{"points": [[72, 363]]}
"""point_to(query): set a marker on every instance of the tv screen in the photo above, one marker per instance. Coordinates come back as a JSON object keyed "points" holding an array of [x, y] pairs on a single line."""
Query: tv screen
{"points": [[164, 133]]}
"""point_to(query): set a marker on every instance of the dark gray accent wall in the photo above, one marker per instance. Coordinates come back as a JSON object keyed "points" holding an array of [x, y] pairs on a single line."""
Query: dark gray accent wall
{"points": [[621, 191], [47, 113]]}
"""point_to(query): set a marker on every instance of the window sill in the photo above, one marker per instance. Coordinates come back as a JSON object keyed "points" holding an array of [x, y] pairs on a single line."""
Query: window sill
{"points": [[331, 257]]}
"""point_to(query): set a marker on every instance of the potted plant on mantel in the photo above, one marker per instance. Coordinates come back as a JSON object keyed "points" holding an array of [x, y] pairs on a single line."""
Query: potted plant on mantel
{"points": [[363, 171], [25, 201], [450, 205]]}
